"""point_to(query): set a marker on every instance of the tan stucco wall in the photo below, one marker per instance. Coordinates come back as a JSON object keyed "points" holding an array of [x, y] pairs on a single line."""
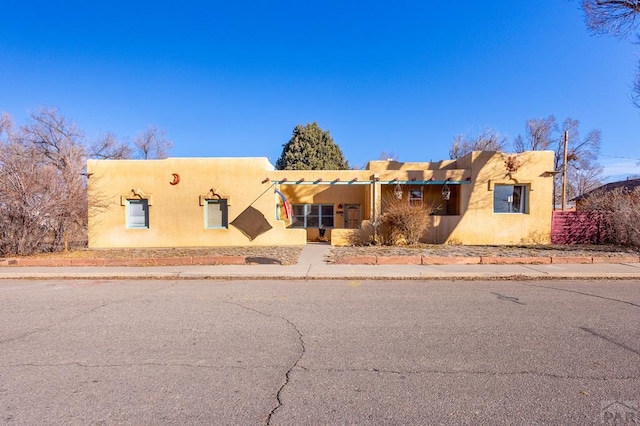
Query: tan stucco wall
{"points": [[479, 225], [176, 218], [476, 223]]}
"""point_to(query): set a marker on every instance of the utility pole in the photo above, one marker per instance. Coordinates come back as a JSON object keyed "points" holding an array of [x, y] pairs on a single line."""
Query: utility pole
{"points": [[564, 170]]}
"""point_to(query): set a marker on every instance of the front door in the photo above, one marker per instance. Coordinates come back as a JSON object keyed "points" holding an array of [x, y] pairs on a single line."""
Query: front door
{"points": [[352, 217]]}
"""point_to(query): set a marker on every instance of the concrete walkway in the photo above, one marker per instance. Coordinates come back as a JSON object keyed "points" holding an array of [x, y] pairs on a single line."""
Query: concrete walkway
{"points": [[312, 265]]}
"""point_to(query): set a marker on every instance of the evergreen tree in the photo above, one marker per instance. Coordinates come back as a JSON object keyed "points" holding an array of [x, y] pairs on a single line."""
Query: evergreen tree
{"points": [[311, 148]]}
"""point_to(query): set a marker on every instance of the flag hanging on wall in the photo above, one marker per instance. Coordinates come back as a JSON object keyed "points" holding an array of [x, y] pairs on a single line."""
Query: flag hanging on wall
{"points": [[286, 204], [251, 223]]}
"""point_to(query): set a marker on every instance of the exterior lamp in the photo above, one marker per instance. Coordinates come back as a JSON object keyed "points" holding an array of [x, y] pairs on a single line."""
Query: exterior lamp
{"points": [[446, 192], [398, 191]]}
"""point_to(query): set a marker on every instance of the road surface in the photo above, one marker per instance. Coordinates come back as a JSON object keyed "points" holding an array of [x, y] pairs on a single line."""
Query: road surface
{"points": [[319, 352]]}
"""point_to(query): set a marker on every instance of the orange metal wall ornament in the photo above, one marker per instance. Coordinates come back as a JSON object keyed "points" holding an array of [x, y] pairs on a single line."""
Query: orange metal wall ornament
{"points": [[176, 179]]}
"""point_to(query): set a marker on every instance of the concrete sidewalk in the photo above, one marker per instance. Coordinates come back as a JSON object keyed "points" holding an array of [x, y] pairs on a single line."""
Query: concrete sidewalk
{"points": [[312, 265]]}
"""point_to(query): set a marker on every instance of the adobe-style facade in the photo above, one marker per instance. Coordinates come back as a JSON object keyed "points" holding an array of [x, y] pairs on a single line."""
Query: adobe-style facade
{"points": [[481, 198]]}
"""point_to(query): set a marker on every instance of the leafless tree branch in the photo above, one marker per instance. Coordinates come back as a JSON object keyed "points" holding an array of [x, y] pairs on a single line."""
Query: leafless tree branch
{"points": [[152, 143], [487, 140]]}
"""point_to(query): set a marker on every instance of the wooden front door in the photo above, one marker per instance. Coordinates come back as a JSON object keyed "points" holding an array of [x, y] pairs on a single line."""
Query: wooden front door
{"points": [[352, 217]]}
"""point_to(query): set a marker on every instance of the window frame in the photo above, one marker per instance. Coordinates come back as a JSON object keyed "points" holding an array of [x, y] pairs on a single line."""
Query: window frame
{"points": [[136, 201], [308, 212], [522, 199], [416, 200], [224, 209]]}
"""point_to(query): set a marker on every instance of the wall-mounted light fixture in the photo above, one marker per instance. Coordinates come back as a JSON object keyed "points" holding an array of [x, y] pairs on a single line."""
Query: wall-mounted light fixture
{"points": [[446, 192], [398, 191]]}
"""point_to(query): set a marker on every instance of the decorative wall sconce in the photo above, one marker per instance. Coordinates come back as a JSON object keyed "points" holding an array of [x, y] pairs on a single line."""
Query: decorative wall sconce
{"points": [[446, 192], [398, 191]]}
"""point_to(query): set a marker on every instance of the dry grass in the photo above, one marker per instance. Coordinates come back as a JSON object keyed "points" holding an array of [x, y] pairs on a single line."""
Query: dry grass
{"points": [[288, 255], [284, 255], [442, 250]]}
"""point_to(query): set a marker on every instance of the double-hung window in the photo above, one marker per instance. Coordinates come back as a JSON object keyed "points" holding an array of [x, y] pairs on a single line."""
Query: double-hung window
{"points": [[216, 214], [510, 199], [312, 216], [138, 214]]}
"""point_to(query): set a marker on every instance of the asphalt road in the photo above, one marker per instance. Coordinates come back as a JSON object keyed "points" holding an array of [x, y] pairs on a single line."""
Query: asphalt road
{"points": [[319, 352]]}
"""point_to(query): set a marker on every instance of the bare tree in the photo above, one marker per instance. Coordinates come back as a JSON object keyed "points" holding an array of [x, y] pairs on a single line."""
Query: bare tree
{"points": [[152, 143], [57, 146], [107, 146], [615, 17], [586, 180], [54, 136], [487, 140], [385, 156], [583, 170], [618, 18], [6, 126], [42, 204], [539, 135], [43, 187]]}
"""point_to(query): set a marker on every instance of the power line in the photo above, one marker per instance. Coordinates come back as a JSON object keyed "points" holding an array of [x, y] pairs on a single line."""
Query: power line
{"points": [[617, 156]]}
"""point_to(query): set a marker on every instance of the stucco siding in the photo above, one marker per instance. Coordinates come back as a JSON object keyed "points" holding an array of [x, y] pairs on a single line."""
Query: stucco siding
{"points": [[176, 216], [177, 189]]}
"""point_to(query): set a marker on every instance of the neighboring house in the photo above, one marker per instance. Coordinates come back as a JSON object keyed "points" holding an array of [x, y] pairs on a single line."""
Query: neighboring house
{"points": [[628, 186], [493, 198]]}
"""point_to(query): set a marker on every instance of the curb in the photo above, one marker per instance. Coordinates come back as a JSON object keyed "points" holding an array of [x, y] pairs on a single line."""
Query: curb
{"points": [[353, 260], [451, 277], [483, 260], [159, 261]]}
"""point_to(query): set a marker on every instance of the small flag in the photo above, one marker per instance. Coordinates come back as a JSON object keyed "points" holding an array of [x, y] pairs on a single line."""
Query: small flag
{"points": [[287, 205]]}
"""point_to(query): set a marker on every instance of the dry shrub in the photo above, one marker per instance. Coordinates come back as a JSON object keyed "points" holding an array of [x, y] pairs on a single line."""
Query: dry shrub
{"points": [[361, 237], [403, 222], [623, 220]]}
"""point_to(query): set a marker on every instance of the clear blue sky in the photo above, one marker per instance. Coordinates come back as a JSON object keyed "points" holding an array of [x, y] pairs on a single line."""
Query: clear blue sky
{"points": [[233, 78]]}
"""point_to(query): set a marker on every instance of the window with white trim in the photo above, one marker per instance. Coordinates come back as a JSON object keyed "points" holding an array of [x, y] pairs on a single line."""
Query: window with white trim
{"points": [[510, 199], [312, 216], [138, 214], [216, 214], [415, 196]]}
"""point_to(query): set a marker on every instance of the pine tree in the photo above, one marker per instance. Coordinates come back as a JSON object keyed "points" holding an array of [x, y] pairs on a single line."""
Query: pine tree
{"points": [[311, 148]]}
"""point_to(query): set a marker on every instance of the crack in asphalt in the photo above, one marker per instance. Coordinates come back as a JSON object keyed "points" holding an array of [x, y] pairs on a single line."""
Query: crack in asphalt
{"points": [[84, 313], [471, 372], [610, 340], [584, 294], [287, 376]]}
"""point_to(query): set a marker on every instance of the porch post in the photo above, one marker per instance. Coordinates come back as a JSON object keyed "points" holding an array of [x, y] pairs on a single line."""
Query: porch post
{"points": [[375, 206]]}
